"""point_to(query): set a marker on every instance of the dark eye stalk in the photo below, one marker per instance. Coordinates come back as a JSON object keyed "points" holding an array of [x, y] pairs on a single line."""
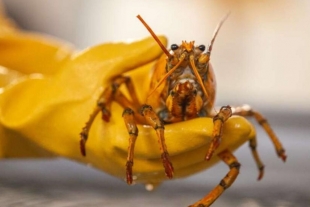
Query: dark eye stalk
{"points": [[174, 47], [202, 48]]}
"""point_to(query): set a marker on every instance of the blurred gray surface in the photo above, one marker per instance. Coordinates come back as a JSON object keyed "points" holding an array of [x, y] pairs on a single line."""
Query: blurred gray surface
{"points": [[62, 183]]}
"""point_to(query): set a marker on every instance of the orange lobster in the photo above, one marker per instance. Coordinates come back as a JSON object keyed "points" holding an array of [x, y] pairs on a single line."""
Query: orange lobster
{"points": [[182, 88]]}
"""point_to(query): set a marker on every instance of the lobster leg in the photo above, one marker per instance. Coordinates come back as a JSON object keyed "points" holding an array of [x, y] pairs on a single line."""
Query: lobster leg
{"points": [[153, 120], [85, 130], [248, 111], [259, 164], [111, 93], [103, 105], [131, 125], [218, 121], [225, 183]]}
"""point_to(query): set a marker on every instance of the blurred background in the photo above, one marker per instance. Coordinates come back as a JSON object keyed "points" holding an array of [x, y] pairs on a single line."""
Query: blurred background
{"points": [[260, 58], [260, 55]]}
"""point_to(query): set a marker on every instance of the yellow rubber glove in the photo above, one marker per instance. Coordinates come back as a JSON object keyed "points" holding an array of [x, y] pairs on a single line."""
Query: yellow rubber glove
{"points": [[48, 92]]}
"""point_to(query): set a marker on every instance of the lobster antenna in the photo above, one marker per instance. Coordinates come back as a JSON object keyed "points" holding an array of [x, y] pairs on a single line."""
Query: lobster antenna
{"points": [[155, 37], [192, 62], [216, 31], [166, 76], [214, 36]]}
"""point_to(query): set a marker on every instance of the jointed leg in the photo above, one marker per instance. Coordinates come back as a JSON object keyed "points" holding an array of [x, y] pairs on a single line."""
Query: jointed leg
{"points": [[225, 183], [103, 105], [218, 121], [85, 130], [153, 120], [111, 93], [248, 111], [130, 123], [259, 164]]}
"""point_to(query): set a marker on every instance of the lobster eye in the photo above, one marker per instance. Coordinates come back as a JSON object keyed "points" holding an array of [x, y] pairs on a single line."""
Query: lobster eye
{"points": [[202, 48], [174, 47]]}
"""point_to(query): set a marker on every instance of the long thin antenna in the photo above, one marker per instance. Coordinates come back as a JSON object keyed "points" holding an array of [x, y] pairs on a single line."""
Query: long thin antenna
{"points": [[214, 36], [166, 76], [155, 37], [216, 31], [192, 62]]}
